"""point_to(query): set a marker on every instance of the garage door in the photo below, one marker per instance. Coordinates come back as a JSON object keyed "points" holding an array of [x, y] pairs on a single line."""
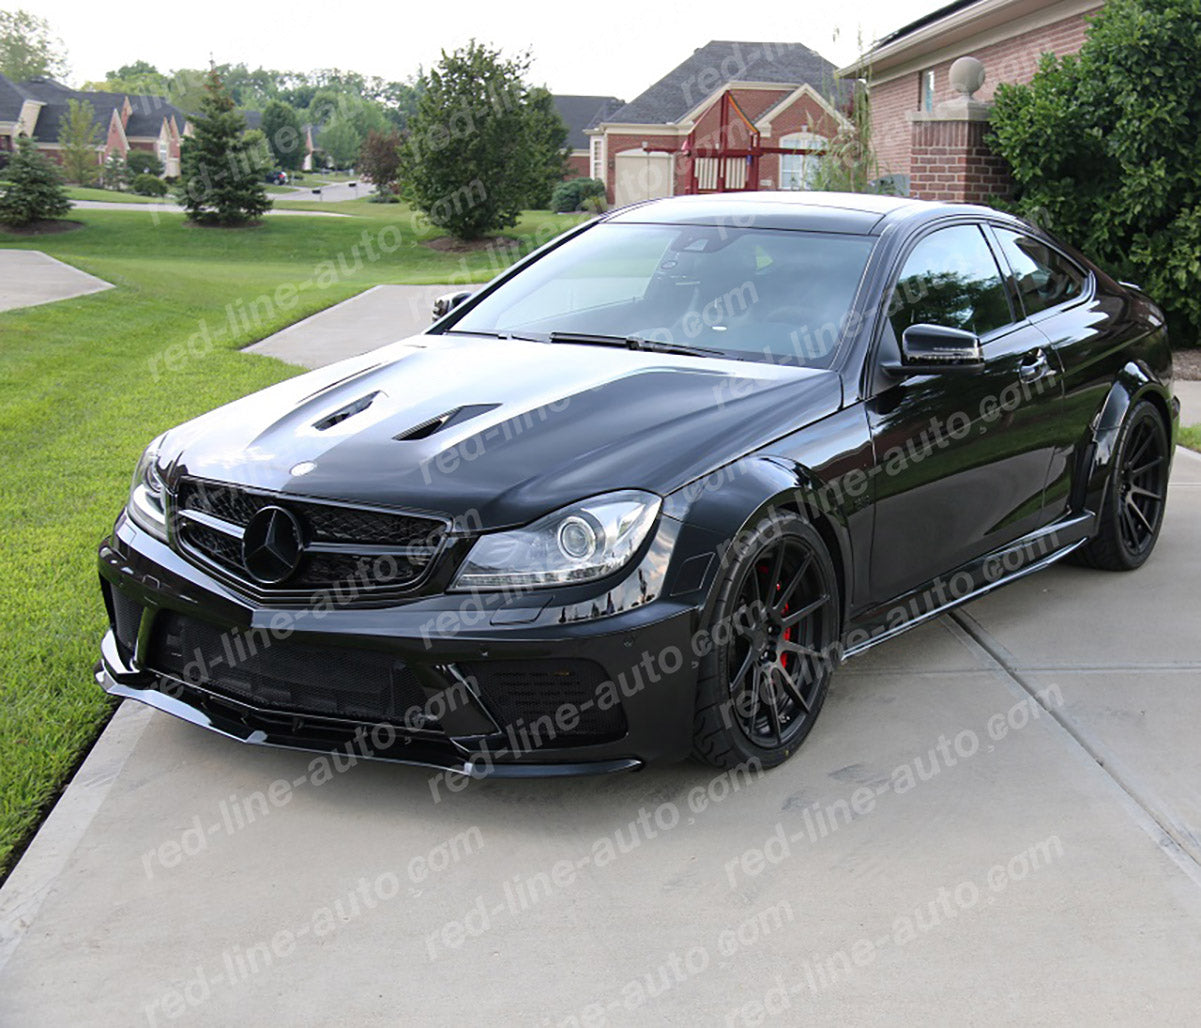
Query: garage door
{"points": [[643, 176]]}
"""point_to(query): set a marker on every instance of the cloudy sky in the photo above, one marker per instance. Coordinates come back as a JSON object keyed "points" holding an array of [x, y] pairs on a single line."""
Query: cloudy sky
{"points": [[609, 49]]}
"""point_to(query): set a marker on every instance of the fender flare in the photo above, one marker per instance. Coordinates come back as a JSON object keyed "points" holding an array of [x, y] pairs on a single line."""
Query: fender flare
{"points": [[1132, 385], [731, 501]]}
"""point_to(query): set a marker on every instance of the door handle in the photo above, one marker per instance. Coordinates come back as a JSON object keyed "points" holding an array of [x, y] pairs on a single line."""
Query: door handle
{"points": [[1035, 366]]}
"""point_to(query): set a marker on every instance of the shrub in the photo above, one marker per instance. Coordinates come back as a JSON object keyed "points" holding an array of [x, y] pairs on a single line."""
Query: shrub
{"points": [[578, 194], [148, 185], [1103, 148], [142, 162], [31, 189], [480, 144]]}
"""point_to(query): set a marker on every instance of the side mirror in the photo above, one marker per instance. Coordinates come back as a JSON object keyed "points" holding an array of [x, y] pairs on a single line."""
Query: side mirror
{"points": [[447, 302], [937, 350]]}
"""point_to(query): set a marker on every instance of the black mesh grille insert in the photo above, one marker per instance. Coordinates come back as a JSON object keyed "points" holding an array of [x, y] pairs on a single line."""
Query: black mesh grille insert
{"points": [[396, 548], [125, 616], [521, 692], [273, 674]]}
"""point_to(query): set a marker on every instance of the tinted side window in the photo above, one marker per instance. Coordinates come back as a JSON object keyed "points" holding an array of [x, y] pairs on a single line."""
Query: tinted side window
{"points": [[951, 279], [1044, 278]]}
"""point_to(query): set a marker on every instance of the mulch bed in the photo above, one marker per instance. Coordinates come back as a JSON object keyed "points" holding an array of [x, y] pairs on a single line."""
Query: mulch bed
{"points": [[449, 244], [46, 227]]}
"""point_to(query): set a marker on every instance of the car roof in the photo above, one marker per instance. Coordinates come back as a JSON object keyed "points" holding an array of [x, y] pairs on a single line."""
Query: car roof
{"points": [[849, 213]]}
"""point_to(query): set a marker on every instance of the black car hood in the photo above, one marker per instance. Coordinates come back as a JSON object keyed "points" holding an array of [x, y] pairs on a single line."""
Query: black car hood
{"points": [[503, 430]]}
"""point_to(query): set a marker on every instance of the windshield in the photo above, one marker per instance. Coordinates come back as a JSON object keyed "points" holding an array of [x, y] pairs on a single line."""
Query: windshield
{"points": [[762, 294]]}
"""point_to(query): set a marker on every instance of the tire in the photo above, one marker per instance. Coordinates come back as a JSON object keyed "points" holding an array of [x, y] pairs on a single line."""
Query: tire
{"points": [[775, 631], [1135, 495]]}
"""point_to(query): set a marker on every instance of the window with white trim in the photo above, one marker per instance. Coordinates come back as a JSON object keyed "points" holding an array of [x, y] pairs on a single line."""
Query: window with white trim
{"points": [[799, 170], [598, 157]]}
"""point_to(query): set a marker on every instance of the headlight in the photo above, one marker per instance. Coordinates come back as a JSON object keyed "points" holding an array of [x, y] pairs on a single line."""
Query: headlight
{"points": [[585, 541], [147, 502]]}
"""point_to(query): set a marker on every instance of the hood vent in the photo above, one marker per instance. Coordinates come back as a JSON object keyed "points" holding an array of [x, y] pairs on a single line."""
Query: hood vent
{"points": [[455, 416], [349, 411]]}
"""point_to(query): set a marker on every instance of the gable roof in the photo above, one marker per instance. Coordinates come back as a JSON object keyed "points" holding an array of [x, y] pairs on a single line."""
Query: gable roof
{"points": [[583, 112], [145, 119], [719, 62]]}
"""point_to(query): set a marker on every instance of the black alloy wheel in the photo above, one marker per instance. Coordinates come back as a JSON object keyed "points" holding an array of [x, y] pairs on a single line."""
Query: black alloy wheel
{"points": [[1136, 497], [775, 632]]}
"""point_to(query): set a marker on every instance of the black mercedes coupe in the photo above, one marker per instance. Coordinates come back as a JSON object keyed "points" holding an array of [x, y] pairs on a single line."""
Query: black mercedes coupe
{"points": [[639, 496]]}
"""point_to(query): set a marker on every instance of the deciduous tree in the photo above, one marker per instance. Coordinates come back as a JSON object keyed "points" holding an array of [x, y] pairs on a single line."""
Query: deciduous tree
{"points": [[78, 135], [28, 48]]}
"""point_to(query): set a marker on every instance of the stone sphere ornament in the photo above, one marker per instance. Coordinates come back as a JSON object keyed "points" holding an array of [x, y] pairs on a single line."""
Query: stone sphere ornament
{"points": [[967, 75]]}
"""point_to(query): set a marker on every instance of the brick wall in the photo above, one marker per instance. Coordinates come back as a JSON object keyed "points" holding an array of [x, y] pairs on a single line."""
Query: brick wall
{"points": [[1012, 60], [577, 166]]}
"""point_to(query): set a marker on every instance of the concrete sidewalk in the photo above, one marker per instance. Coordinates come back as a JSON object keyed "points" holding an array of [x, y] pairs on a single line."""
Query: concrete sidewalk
{"points": [[997, 820], [29, 278]]}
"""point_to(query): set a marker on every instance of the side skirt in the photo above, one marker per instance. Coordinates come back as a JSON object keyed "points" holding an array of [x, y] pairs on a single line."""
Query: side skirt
{"points": [[1022, 557]]}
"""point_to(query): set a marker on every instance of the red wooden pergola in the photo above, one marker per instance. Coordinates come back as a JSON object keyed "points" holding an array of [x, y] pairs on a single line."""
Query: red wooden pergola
{"points": [[723, 148]]}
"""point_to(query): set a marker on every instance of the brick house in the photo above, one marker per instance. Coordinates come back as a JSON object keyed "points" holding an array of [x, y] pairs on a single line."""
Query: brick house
{"points": [[733, 116], [927, 135], [124, 122], [580, 113]]}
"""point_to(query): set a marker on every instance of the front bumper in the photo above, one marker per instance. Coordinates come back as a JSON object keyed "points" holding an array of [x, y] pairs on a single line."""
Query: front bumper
{"points": [[641, 652]]}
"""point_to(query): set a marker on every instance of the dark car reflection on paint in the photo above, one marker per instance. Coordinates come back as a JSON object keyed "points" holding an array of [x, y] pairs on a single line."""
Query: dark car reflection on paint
{"points": [[640, 495]]}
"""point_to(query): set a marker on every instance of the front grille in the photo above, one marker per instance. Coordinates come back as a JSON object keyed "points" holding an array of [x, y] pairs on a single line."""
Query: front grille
{"points": [[285, 675], [362, 557], [522, 693]]}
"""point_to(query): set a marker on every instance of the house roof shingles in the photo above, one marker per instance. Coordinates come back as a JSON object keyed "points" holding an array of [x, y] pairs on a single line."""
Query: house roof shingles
{"points": [[583, 112], [12, 99], [722, 61], [145, 119]]}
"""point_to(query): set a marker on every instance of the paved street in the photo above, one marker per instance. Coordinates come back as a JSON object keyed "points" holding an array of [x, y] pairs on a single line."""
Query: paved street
{"points": [[997, 819], [174, 208]]}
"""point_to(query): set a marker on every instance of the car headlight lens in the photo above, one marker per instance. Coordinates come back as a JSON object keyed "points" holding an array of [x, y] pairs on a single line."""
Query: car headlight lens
{"points": [[147, 494], [580, 543]]}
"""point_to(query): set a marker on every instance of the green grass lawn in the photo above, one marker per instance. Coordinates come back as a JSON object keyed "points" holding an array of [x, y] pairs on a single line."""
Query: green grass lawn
{"points": [[112, 196], [78, 402], [1190, 437]]}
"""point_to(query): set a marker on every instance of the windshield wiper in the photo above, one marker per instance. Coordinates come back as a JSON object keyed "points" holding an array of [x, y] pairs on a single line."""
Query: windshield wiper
{"points": [[635, 343], [493, 335]]}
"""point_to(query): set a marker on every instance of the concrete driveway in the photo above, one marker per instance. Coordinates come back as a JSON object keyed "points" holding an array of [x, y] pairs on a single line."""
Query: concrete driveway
{"points": [[376, 317], [996, 820], [29, 278]]}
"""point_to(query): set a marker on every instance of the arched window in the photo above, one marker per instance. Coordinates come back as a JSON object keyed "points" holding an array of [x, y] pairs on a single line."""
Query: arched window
{"points": [[799, 170]]}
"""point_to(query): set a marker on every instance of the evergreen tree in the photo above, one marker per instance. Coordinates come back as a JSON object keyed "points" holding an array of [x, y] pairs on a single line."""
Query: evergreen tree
{"points": [[31, 189], [221, 180], [78, 136]]}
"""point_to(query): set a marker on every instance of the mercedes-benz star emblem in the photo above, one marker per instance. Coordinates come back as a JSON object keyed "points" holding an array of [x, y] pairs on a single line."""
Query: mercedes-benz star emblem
{"points": [[272, 545]]}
